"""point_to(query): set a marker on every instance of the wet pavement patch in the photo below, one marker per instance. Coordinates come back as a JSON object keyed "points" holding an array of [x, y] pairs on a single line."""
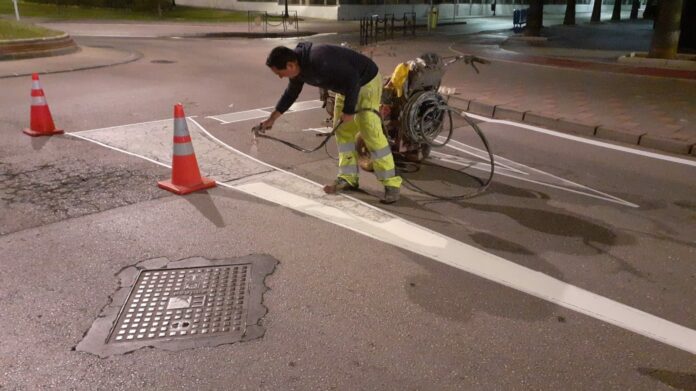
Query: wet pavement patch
{"points": [[185, 304], [68, 188]]}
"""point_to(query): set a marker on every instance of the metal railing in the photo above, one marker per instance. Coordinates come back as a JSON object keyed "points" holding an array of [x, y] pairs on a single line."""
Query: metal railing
{"points": [[262, 21], [373, 27]]}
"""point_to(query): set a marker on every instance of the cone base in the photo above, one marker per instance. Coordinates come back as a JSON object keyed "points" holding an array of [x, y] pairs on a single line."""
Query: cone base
{"points": [[34, 133], [206, 183]]}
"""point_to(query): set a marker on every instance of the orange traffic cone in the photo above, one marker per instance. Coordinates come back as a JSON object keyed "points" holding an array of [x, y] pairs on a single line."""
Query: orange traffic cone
{"points": [[41, 121], [186, 177]]}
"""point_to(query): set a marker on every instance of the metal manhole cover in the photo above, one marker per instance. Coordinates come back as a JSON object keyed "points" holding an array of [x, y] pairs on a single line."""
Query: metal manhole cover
{"points": [[179, 303], [185, 304]]}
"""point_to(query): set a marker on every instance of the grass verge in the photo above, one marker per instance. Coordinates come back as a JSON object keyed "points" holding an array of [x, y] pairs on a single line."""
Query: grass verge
{"points": [[9, 29], [178, 13]]}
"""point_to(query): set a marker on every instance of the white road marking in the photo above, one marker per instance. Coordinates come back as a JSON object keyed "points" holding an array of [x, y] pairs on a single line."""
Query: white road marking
{"points": [[247, 115], [119, 126], [522, 172], [433, 245], [306, 105], [240, 116], [324, 130], [305, 196], [598, 143]]}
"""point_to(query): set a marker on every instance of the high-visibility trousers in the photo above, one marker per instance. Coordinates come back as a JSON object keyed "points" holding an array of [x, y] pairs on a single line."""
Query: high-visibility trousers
{"points": [[369, 125]]}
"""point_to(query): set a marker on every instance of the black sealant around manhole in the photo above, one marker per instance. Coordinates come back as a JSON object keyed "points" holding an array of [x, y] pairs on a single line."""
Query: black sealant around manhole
{"points": [[180, 305], [163, 62]]}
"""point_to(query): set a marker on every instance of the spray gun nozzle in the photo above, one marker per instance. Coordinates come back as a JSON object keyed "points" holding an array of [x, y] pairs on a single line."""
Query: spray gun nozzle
{"points": [[258, 129]]}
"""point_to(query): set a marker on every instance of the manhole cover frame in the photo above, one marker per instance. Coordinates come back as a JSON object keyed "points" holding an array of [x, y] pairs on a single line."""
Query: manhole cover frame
{"points": [[98, 339]]}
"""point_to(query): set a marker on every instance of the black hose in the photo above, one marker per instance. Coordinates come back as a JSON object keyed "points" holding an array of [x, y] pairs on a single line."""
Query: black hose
{"points": [[407, 167], [258, 133], [404, 167]]}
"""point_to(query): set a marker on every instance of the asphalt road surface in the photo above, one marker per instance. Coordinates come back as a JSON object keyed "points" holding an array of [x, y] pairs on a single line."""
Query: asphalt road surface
{"points": [[573, 270]]}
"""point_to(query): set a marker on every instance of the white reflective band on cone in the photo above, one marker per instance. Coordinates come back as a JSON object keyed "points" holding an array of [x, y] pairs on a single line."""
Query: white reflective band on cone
{"points": [[183, 149], [38, 101], [180, 128]]}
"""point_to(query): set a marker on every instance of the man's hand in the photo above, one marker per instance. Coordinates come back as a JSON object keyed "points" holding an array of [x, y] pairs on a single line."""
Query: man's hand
{"points": [[347, 117], [267, 124]]}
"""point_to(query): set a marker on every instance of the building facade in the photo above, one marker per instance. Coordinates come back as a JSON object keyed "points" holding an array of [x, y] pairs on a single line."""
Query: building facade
{"points": [[448, 10]]}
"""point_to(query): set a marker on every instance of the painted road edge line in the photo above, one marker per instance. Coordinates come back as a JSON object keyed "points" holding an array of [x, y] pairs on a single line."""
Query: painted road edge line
{"points": [[597, 143]]}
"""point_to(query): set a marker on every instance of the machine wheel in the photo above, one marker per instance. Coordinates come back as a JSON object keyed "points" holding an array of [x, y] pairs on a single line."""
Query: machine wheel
{"points": [[418, 155]]}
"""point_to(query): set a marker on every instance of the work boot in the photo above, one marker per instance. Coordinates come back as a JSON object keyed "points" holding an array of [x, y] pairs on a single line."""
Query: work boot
{"points": [[391, 195], [338, 186]]}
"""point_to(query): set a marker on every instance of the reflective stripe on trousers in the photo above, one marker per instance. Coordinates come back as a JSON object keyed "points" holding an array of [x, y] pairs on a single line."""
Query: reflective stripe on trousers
{"points": [[370, 128]]}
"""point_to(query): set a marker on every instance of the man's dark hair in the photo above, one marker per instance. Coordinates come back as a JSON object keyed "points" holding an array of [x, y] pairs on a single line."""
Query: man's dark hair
{"points": [[280, 56]]}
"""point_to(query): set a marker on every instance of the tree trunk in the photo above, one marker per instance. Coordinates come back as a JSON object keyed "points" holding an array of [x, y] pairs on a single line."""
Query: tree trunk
{"points": [[667, 28], [596, 11], [650, 9], [687, 37], [570, 13], [634, 9], [535, 17], [616, 15]]}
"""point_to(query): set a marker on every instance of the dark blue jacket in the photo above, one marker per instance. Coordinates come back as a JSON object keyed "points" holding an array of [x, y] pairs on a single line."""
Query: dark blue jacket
{"points": [[332, 67]]}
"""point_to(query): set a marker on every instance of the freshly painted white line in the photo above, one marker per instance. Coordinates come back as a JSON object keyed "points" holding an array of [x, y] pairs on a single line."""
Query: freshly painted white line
{"points": [[240, 116], [120, 126], [653, 155], [306, 105], [420, 240], [479, 153], [600, 195], [228, 147], [511, 172], [77, 134], [388, 228], [324, 130]]}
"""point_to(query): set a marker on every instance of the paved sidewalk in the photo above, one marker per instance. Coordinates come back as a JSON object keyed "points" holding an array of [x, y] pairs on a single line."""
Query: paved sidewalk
{"points": [[570, 82], [567, 86]]}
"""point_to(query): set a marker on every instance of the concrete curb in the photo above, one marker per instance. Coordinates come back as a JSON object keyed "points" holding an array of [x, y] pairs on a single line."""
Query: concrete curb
{"points": [[685, 62], [233, 34], [37, 47], [575, 127], [620, 135], [131, 57], [666, 144], [502, 112]]}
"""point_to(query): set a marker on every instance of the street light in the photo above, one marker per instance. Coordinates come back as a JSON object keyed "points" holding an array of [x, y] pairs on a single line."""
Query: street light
{"points": [[17, 9]]}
